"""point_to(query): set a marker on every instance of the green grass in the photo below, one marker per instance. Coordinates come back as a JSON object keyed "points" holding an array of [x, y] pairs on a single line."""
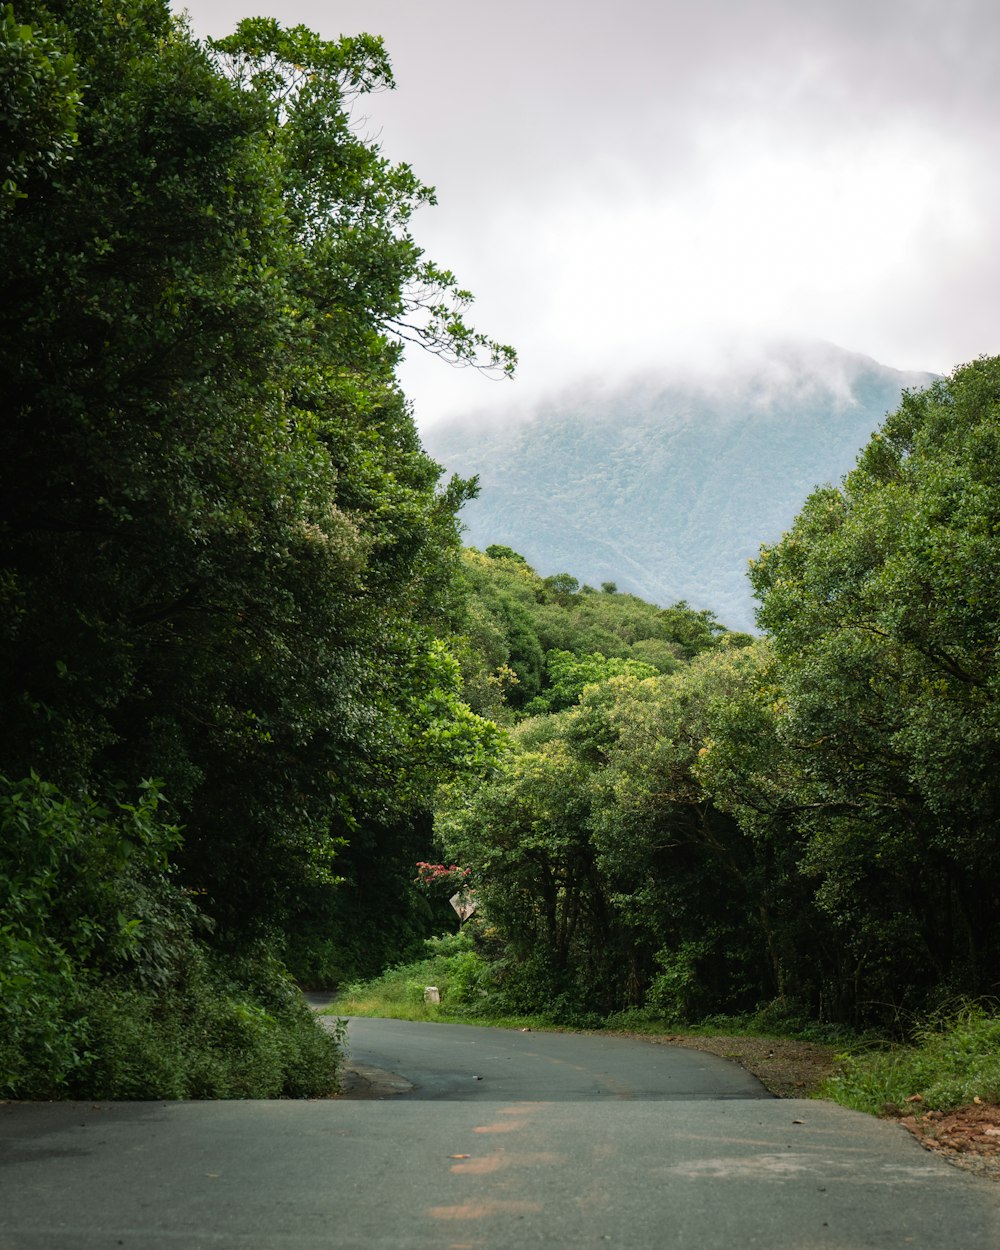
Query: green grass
{"points": [[461, 977], [952, 1062]]}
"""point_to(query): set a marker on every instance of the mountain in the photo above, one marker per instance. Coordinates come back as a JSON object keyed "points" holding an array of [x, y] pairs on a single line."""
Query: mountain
{"points": [[664, 487]]}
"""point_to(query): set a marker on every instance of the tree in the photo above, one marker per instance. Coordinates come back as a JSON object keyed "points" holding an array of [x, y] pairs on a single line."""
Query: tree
{"points": [[569, 675], [366, 281], [884, 616], [610, 878], [225, 560], [514, 619]]}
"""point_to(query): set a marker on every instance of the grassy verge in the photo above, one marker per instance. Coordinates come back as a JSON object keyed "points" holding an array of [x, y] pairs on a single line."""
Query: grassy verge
{"points": [[954, 1061], [457, 973]]}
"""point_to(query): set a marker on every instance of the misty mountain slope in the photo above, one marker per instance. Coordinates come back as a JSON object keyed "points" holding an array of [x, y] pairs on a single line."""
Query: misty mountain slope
{"points": [[668, 489]]}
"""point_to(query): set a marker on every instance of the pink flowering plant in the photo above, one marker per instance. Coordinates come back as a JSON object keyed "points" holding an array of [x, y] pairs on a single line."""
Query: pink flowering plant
{"points": [[439, 883], [438, 879]]}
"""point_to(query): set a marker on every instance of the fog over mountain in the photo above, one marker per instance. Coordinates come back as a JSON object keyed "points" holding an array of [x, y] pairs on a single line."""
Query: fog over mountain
{"points": [[668, 487]]}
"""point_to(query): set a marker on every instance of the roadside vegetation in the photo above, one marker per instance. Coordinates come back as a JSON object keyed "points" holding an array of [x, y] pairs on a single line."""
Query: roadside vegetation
{"points": [[952, 1061], [949, 1062], [254, 688], [470, 991], [459, 975]]}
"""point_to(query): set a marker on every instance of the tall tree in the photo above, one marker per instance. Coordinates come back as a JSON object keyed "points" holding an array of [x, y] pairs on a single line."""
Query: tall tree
{"points": [[884, 613], [226, 559]]}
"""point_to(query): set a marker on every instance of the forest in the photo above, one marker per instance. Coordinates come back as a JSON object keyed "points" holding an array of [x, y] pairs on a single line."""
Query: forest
{"points": [[252, 679]]}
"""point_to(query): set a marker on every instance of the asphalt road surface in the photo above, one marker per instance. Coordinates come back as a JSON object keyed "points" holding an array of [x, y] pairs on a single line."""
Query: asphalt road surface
{"points": [[566, 1142], [462, 1062]]}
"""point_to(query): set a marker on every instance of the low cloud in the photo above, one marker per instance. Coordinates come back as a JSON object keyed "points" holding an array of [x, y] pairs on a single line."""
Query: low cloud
{"points": [[635, 188]]}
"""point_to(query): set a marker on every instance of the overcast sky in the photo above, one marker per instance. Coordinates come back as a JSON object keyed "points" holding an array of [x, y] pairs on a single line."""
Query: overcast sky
{"points": [[638, 185]]}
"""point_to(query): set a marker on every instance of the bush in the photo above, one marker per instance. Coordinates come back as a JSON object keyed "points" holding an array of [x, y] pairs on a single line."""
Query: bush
{"points": [[469, 978], [84, 891], [210, 1036], [40, 1042], [107, 988], [674, 990]]}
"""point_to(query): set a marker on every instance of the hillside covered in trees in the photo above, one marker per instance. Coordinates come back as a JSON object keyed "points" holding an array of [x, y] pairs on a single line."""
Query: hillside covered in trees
{"points": [[666, 485]]}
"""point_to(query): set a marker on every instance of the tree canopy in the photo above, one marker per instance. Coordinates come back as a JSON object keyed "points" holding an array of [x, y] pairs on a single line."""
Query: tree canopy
{"points": [[227, 564]]}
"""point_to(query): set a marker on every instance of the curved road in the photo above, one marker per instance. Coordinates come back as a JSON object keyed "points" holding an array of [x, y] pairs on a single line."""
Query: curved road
{"points": [[463, 1062], [567, 1141]]}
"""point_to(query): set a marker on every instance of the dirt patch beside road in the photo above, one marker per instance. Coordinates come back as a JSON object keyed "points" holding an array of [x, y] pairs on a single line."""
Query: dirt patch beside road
{"points": [[786, 1068], [969, 1137]]}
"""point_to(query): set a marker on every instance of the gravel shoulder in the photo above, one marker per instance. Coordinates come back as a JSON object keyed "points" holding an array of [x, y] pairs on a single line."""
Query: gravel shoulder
{"points": [[788, 1069]]}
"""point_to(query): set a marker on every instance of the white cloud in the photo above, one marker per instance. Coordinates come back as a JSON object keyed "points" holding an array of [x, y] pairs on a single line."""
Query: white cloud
{"points": [[624, 188]]}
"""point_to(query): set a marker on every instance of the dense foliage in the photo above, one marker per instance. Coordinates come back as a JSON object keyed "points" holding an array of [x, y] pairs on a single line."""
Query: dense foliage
{"points": [[811, 818], [532, 643], [245, 655], [225, 561], [593, 851], [874, 763]]}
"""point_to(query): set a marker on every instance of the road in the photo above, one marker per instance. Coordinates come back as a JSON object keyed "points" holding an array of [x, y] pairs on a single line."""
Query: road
{"points": [[565, 1142], [461, 1062]]}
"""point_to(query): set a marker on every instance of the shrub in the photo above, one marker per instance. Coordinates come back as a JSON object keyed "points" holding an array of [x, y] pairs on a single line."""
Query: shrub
{"points": [[84, 891], [107, 989], [674, 990], [211, 1035]]}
